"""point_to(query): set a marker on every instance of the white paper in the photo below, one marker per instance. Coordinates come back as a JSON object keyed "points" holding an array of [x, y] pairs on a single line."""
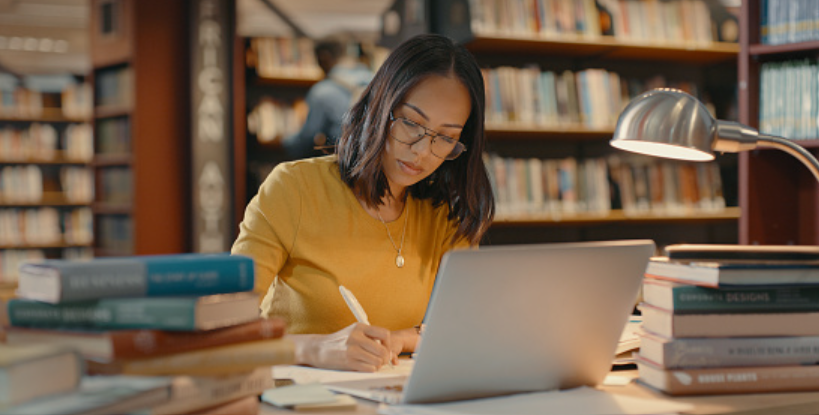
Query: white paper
{"points": [[305, 375], [313, 393], [577, 401]]}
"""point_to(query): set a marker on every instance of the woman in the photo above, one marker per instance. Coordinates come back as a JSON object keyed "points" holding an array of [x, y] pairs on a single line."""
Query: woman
{"points": [[406, 185]]}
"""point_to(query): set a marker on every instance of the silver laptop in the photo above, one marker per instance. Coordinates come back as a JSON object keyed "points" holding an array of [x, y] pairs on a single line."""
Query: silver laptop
{"points": [[522, 318]]}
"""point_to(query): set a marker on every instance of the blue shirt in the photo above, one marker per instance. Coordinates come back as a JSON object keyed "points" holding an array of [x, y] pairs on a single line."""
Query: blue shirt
{"points": [[328, 101]]}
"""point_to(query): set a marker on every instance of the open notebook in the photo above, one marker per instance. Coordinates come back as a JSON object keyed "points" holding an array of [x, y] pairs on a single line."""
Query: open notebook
{"points": [[511, 319]]}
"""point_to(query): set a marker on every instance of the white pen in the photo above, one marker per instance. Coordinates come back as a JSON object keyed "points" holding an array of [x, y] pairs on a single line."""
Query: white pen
{"points": [[357, 310]]}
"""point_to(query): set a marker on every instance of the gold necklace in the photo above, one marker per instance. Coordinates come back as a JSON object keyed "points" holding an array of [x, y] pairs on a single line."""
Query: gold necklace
{"points": [[399, 259]]}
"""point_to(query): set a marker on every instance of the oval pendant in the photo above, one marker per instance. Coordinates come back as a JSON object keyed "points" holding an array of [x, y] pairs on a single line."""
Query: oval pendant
{"points": [[399, 261]]}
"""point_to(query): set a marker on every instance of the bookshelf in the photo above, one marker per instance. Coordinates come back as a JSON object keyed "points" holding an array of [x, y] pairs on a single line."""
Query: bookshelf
{"points": [[46, 186], [140, 126], [779, 198], [637, 61]]}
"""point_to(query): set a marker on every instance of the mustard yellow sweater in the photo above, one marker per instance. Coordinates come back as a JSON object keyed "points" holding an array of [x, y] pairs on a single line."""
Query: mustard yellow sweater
{"points": [[308, 234]]}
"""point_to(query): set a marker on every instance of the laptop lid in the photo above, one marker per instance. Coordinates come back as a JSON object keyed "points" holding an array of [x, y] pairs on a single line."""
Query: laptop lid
{"points": [[519, 318]]}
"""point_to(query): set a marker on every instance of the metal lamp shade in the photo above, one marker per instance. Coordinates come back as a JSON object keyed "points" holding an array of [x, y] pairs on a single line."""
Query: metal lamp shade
{"points": [[666, 123]]}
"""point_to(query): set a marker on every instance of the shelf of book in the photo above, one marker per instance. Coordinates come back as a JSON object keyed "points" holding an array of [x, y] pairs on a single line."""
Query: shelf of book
{"points": [[778, 196], [287, 81], [59, 159], [111, 112], [617, 216], [104, 208], [607, 47], [50, 115], [47, 245], [497, 131], [102, 160], [760, 50]]}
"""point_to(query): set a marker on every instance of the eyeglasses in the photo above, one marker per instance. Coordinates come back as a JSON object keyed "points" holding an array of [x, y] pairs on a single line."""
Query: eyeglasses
{"points": [[410, 132]]}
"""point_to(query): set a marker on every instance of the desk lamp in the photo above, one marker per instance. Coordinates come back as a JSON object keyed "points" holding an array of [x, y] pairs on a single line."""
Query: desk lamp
{"points": [[672, 124]]}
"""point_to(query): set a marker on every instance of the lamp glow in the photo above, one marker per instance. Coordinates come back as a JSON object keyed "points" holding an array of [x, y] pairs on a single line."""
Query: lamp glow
{"points": [[672, 124]]}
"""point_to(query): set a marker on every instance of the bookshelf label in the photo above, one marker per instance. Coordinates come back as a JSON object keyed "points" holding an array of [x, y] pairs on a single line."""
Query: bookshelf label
{"points": [[211, 148]]}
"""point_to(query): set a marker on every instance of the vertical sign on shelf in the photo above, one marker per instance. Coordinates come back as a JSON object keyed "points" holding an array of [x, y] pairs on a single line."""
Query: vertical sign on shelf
{"points": [[212, 194]]}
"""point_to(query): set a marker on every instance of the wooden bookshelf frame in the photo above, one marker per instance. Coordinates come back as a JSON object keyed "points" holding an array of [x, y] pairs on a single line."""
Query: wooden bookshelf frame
{"points": [[778, 196], [607, 47], [729, 214]]}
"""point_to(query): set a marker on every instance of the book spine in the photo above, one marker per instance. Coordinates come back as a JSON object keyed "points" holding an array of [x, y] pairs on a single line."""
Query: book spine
{"points": [[680, 353], [212, 361], [122, 313], [192, 393], [694, 299], [730, 380], [195, 276], [145, 343]]}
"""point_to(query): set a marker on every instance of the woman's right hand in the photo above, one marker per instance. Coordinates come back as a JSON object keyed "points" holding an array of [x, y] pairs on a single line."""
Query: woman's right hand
{"points": [[358, 347]]}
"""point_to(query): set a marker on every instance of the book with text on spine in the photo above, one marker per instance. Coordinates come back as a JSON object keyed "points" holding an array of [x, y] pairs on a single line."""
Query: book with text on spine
{"points": [[692, 299], [161, 313], [669, 324], [725, 380], [222, 360], [129, 344], [720, 273], [60, 280], [695, 352]]}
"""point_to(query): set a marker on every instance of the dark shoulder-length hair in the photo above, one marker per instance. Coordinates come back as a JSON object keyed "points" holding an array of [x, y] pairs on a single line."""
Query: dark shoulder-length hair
{"points": [[462, 184]]}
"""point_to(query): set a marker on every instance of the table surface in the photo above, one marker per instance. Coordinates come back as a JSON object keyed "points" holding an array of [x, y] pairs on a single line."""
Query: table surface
{"points": [[796, 403]]}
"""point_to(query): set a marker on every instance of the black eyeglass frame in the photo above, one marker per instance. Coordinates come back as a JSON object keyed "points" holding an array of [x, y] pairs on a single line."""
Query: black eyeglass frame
{"points": [[428, 132]]}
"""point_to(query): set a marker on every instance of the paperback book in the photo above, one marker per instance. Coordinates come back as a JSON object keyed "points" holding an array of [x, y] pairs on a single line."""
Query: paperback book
{"points": [[721, 273]]}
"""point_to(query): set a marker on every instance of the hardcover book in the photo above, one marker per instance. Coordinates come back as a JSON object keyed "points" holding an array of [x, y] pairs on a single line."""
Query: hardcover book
{"points": [[107, 345], [719, 273], [692, 299], [100, 395], [222, 360], [669, 324], [194, 393], [161, 313], [37, 370], [59, 280], [714, 381], [680, 353]]}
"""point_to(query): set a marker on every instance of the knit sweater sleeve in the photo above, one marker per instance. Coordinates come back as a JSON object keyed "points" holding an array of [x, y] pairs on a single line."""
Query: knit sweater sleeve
{"points": [[270, 225]]}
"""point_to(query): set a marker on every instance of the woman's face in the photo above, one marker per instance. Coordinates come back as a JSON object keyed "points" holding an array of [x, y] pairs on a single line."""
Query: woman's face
{"points": [[442, 105]]}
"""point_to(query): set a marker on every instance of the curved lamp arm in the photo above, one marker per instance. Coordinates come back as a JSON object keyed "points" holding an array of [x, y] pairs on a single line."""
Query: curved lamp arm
{"points": [[793, 149]]}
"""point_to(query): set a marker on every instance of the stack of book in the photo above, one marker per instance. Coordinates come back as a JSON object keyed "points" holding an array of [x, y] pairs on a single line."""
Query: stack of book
{"points": [[189, 318], [731, 319]]}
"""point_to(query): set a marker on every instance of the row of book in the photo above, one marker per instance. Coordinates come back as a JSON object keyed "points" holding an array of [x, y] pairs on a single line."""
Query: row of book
{"points": [[90, 336], [788, 21], [731, 319], [283, 57], [591, 98], [11, 259], [676, 21], [113, 88], [74, 102], [788, 103], [271, 120], [42, 141], [113, 136], [27, 183], [637, 185], [115, 185], [45, 226], [115, 234]]}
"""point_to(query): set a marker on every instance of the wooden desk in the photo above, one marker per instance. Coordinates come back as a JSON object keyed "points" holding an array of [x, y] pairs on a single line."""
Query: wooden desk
{"points": [[797, 403]]}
